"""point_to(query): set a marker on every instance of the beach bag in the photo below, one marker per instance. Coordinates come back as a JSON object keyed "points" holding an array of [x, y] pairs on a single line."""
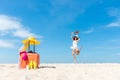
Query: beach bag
{"points": [[33, 60], [23, 60], [30, 57]]}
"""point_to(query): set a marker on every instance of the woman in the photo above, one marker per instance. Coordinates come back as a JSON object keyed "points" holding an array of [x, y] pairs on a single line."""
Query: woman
{"points": [[75, 49]]}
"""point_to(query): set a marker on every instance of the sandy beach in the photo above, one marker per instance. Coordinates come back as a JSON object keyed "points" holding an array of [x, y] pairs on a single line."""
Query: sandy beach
{"points": [[105, 71]]}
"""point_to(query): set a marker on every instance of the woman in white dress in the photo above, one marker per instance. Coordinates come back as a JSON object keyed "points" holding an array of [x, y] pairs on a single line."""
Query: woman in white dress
{"points": [[74, 47]]}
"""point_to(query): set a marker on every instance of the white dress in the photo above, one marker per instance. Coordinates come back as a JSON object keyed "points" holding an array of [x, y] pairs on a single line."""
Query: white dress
{"points": [[75, 45]]}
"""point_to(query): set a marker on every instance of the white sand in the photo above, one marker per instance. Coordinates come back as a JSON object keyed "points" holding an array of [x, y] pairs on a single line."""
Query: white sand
{"points": [[62, 72]]}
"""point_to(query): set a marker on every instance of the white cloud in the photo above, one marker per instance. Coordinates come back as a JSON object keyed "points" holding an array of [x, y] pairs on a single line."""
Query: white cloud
{"points": [[88, 31], [114, 12], [12, 25], [6, 44], [9, 23], [22, 33], [114, 24]]}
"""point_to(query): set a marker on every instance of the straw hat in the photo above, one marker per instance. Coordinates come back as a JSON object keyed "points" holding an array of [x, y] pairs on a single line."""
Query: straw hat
{"points": [[32, 41]]}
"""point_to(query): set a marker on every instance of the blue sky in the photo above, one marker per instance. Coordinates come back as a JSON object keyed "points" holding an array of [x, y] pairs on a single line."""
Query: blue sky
{"points": [[52, 21]]}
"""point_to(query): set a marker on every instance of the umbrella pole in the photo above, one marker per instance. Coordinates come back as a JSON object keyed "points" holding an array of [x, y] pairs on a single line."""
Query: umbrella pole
{"points": [[28, 45], [34, 47]]}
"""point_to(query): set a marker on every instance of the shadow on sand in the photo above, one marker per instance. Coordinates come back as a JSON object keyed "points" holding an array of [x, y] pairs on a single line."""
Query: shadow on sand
{"points": [[47, 67]]}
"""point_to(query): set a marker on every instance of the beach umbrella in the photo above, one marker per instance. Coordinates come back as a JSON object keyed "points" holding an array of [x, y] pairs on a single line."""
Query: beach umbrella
{"points": [[31, 41]]}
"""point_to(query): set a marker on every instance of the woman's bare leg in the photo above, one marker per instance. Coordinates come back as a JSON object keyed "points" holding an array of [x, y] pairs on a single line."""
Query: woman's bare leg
{"points": [[73, 53]]}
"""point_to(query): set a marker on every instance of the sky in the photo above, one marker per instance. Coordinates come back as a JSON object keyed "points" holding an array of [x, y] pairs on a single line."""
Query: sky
{"points": [[52, 21]]}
